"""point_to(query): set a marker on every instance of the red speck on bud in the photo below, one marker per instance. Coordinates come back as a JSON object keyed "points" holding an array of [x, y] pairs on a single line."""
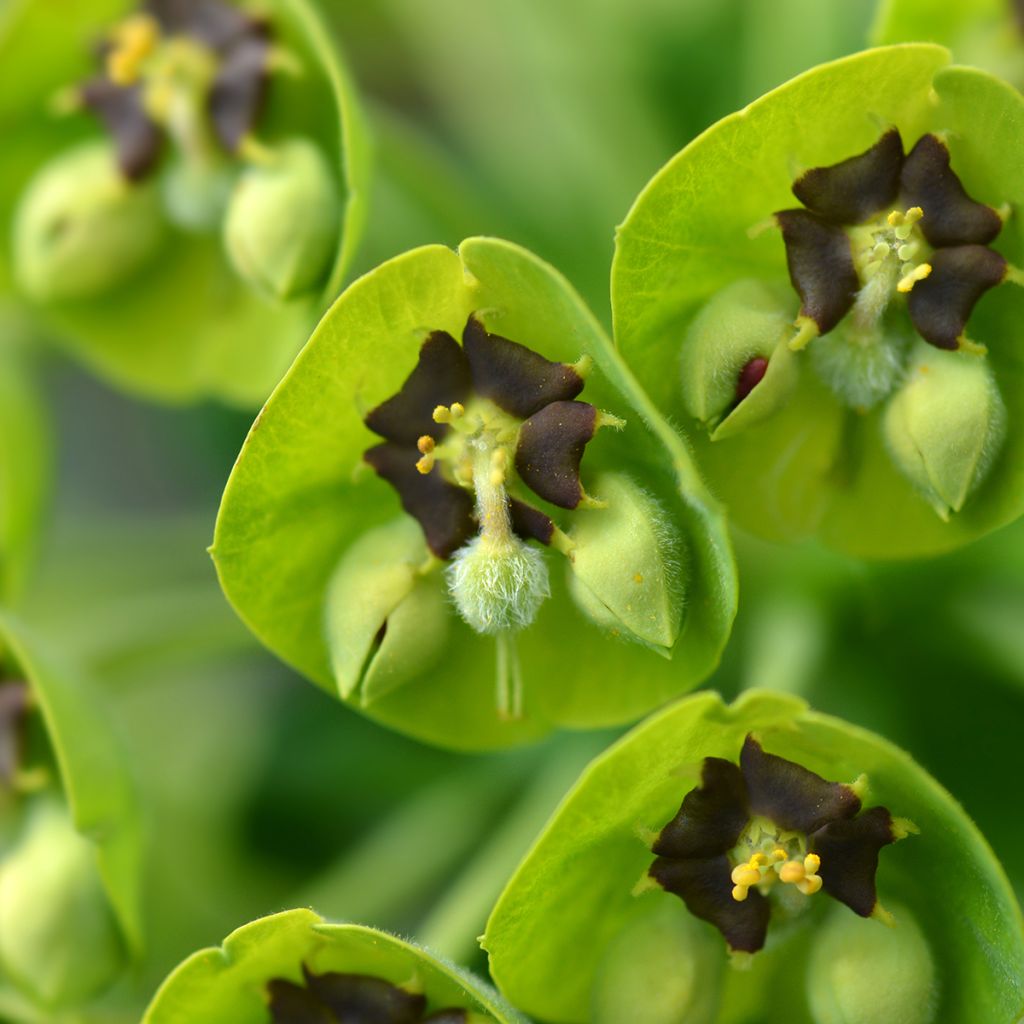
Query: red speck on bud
{"points": [[750, 376]]}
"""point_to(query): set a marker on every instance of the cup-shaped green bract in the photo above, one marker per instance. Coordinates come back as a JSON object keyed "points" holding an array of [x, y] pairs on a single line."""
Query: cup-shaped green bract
{"points": [[792, 437], [986, 34], [315, 553], [155, 304], [576, 894], [70, 870], [248, 978]]}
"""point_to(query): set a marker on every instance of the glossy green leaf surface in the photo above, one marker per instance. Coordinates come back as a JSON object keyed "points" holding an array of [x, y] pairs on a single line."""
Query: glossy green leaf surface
{"points": [[184, 326], [571, 896], [300, 496], [93, 773], [817, 467], [226, 985]]}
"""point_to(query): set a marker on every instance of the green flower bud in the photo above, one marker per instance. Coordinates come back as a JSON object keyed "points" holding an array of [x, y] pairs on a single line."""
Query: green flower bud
{"points": [[736, 364], [386, 623], [498, 583], [861, 972], [945, 425], [283, 219], [659, 969], [59, 939], [81, 228], [625, 565]]}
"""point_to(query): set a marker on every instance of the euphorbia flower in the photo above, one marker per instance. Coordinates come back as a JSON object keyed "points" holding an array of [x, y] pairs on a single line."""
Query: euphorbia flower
{"points": [[770, 826]]}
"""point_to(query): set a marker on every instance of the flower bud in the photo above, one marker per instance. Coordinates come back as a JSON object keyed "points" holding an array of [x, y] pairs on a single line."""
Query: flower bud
{"points": [[59, 940], [282, 223], [945, 425], [498, 587], [625, 566], [860, 972], [386, 624], [81, 228], [736, 364], [659, 969]]}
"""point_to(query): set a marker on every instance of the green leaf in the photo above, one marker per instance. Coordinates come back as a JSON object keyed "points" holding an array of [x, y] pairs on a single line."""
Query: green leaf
{"points": [[299, 497], [225, 985], [25, 466], [98, 790], [571, 896], [816, 467], [185, 326]]}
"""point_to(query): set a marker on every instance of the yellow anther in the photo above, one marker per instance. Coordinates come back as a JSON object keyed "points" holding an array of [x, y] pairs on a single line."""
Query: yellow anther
{"points": [[739, 892], [810, 885], [758, 859], [133, 40], [919, 273], [457, 410], [441, 414], [426, 444], [811, 863], [426, 463], [913, 215], [745, 875], [792, 871], [894, 219], [779, 853]]}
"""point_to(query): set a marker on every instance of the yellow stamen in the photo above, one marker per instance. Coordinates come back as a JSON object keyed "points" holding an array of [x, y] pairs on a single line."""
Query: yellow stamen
{"points": [[779, 853], [792, 871], [811, 863], [918, 273], [739, 892], [133, 41], [745, 875], [426, 463], [809, 885], [895, 219], [457, 410], [441, 414], [426, 444]]}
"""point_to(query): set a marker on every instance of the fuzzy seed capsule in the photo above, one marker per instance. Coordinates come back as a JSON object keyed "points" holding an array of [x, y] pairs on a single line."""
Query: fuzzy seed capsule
{"points": [[282, 223], [736, 368], [861, 972], [59, 942], [626, 569], [81, 228], [386, 623], [945, 425]]}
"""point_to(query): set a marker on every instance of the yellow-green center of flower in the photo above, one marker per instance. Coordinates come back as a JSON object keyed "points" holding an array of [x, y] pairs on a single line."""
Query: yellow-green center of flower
{"points": [[765, 855]]}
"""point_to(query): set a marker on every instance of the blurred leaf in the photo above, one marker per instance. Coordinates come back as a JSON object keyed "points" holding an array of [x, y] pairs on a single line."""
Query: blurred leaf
{"points": [[572, 894], [293, 503]]}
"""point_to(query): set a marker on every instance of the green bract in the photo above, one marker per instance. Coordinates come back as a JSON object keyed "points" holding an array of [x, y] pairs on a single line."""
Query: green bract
{"points": [[699, 282], [554, 933], [70, 844], [228, 985], [130, 272], [313, 552]]}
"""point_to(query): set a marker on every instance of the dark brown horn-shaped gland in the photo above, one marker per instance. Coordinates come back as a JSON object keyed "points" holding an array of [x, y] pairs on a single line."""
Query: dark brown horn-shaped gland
{"points": [[941, 304], [137, 139], [529, 523], [213, 23], [705, 886], [443, 509], [14, 704], [791, 796], [447, 1017], [1018, 13], [440, 377], [239, 90], [849, 857], [513, 376], [336, 998], [550, 448], [712, 815], [854, 190], [820, 265], [951, 217]]}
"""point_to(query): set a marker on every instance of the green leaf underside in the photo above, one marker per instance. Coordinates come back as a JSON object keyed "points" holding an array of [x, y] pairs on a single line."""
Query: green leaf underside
{"points": [[184, 326], [299, 497], [226, 985], [572, 893], [828, 471], [95, 782]]}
